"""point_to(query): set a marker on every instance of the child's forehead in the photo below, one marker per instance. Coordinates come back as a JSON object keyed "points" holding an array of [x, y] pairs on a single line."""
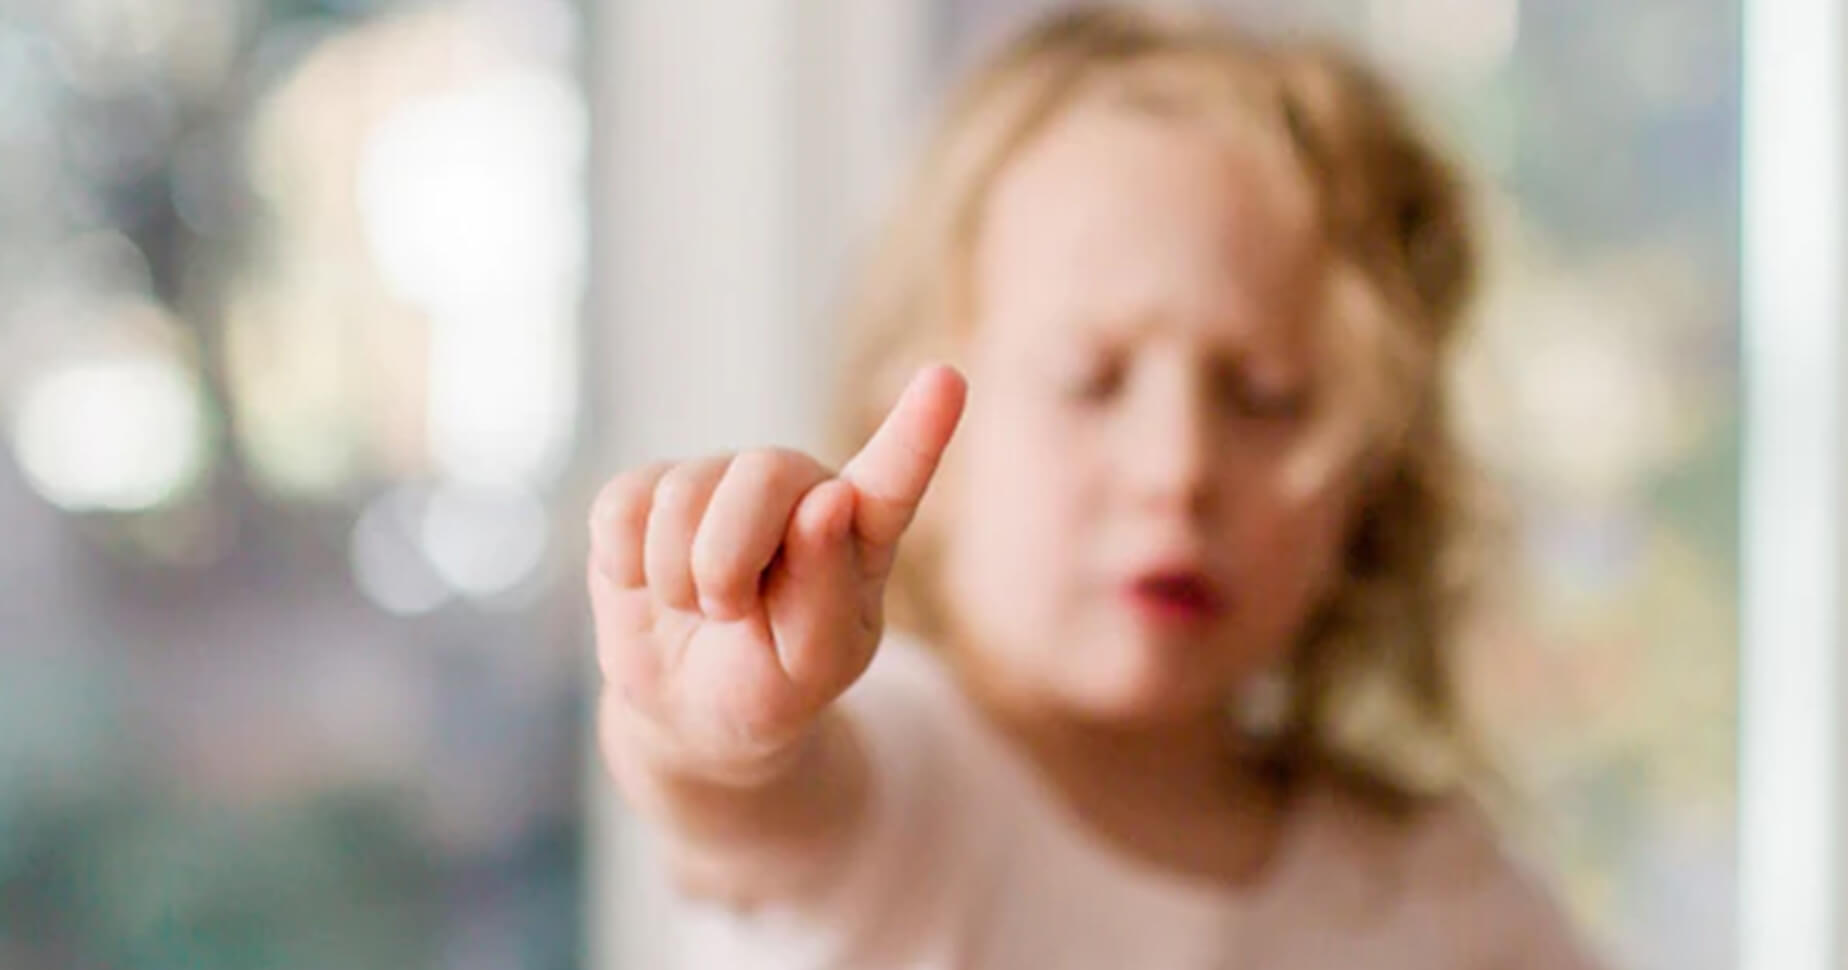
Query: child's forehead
{"points": [[1231, 136], [1132, 216], [1099, 172]]}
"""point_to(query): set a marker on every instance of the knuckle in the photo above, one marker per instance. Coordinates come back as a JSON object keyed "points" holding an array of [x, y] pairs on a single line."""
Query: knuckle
{"points": [[761, 468], [617, 501], [756, 460], [681, 485], [676, 486], [714, 566], [777, 468]]}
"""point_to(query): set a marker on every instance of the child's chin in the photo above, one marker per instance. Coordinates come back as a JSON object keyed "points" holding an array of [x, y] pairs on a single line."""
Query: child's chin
{"points": [[1151, 688]]}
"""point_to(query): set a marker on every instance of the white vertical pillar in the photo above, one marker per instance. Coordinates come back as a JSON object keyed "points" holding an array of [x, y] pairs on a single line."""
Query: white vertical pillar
{"points": [[695, 304], [739, 147], [860, 89], [701, 227], [1795, 213]]}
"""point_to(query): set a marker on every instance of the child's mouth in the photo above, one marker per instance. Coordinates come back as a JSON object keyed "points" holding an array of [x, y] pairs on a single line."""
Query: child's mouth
{"points": [[1175, 599]]}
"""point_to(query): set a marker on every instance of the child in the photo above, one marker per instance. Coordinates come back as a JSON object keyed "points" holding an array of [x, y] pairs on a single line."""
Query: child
{"points": [[1188, 575]]}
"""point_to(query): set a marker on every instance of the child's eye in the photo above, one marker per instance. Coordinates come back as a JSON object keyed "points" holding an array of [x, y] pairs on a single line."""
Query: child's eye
{"points": [[1247, 397], [1092, 381]]}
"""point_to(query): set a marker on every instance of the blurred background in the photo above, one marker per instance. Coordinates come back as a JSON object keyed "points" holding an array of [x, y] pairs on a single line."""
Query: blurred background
{"points": [[289, 371], [320, 319]]}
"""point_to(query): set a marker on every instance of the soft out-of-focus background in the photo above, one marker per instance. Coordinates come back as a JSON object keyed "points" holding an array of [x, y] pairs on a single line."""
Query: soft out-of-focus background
{"points": [[289, 377], [319, 318]]}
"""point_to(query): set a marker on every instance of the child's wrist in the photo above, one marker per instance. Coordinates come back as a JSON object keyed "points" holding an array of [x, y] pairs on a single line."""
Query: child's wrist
{"points": [[667, 763]]}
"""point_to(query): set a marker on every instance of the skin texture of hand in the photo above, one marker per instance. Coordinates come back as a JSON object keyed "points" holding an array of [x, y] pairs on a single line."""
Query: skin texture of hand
{"points": [[736, 597]]}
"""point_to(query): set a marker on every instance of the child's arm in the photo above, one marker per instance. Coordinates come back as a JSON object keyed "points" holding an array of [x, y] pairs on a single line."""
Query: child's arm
{"points": [[735, 599], [774, 838]]}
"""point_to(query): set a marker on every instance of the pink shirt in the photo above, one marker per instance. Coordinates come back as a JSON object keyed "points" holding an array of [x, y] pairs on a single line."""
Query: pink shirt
{"points": [[970, 863]]}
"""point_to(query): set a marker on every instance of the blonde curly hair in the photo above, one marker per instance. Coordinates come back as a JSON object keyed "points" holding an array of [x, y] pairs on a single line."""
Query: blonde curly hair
{"points": [[1369, 691]]}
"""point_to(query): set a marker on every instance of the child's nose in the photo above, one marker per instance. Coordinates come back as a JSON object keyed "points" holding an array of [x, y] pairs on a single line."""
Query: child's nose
{"points": [[1168, 445]]}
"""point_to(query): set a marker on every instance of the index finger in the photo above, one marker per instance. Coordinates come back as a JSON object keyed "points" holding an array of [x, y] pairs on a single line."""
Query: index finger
{"points": [[895, 466]]}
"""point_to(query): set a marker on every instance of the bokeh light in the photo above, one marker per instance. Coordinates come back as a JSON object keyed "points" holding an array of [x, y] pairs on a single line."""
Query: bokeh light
{"points": [[388, 560], [282, 428], [120, 435], [484, 543]]}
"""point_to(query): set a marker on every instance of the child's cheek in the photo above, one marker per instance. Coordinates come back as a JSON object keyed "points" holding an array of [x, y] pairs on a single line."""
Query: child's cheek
{"points": [[1036, 476], [1004, 512], [1298, 536]]}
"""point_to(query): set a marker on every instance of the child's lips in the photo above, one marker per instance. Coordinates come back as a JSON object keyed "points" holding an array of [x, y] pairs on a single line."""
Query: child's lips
{"points": [[1175, 598]]}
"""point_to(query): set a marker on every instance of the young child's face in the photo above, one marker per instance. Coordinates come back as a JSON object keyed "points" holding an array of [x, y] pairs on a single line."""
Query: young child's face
{"points": [[1123, 534]]}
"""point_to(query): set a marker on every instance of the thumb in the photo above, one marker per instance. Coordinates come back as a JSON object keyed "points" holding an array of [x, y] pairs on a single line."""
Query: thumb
{"points": [[893, 469], [812, 595]]}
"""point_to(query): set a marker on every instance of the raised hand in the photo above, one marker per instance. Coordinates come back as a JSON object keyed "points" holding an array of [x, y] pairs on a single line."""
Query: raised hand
{"points": [[737, 596]]}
